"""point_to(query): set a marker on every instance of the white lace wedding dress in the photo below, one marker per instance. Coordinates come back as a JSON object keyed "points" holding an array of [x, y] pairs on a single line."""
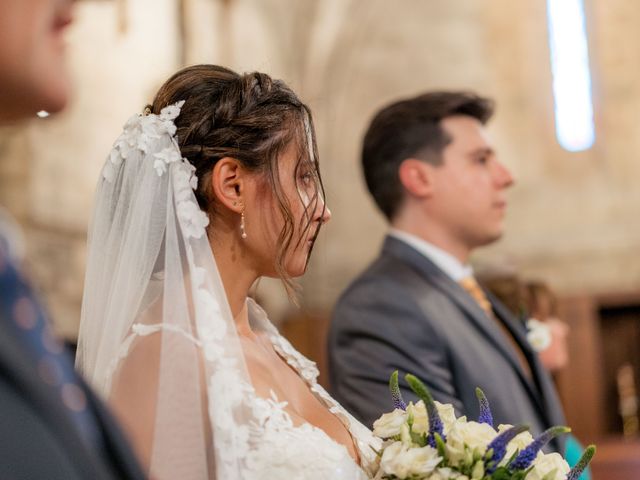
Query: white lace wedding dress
{"points": [[304, 452], [281, 450]]}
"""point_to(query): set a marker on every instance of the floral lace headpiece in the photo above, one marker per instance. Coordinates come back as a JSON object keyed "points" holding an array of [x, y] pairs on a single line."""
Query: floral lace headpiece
{"points": [[147, 134]]}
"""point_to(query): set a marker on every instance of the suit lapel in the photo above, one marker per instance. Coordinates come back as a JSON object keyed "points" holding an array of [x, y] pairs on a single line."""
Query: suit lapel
{"points": [[548, 398], [517, 331], [468, 305]]}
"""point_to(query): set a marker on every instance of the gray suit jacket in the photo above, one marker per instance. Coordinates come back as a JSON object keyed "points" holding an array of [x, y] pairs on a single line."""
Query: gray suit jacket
{"points": [[403, 313]]}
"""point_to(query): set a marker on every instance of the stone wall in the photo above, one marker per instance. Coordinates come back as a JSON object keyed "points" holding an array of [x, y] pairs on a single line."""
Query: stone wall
{"points": [[572, 216]]}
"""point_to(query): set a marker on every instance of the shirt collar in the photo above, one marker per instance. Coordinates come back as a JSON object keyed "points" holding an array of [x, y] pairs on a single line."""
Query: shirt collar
{"points": [[449, 264]]}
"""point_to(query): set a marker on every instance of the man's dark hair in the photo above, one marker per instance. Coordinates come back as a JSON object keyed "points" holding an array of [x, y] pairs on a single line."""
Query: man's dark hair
{"points": [[411, 129]]}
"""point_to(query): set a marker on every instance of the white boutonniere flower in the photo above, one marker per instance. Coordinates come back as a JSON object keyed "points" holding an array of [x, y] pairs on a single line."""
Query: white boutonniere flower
{"points": [[538, 334]]}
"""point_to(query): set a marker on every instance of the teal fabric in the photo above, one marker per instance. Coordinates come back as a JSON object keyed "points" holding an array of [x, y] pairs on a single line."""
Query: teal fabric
{"points": [[573, 452]]}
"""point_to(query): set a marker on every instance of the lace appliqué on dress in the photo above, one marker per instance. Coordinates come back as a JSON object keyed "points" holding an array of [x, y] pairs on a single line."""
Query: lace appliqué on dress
{"points": [[364, 440]]}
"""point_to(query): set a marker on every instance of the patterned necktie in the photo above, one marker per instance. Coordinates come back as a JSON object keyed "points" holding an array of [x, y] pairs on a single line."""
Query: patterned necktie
{"points": [[475, 290], [23, 314]]}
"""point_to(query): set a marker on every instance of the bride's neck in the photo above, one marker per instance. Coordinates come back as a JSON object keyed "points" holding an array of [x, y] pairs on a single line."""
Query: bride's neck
{"points": [[236, 274]]}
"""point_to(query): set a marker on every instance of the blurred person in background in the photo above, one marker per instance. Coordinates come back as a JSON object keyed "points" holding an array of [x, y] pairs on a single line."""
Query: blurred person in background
{"points": [[542, 305], [534, 303], [51, 424]]}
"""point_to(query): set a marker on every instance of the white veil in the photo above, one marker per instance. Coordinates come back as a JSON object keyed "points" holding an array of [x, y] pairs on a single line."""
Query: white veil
{"points": [[157, 337]]}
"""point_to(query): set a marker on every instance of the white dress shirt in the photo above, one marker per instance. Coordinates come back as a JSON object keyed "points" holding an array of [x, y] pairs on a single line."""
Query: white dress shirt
{"points": [[443, 260]]}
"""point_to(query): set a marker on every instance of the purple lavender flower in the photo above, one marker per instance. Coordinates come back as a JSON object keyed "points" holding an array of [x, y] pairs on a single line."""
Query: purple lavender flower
{"points": [[498, 447], [485, 411], [528, 455], [586, 457], [396, 395], [435, 422]]}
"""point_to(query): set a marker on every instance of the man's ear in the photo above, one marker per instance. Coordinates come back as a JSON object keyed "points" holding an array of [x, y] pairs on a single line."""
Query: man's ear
{"points": [[416, 176], [227, 182]]}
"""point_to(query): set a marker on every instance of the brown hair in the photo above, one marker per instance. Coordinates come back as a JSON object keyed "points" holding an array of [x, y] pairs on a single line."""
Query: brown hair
{"points": [[411, 128], [542, 301], [251, 118]]}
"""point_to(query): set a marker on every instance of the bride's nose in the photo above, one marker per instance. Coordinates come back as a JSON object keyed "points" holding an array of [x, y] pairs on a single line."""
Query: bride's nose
{"points": [[326, 214], [322, 213]]}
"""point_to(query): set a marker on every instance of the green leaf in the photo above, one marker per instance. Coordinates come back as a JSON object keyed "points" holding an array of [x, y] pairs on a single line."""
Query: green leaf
{"points": [[488, 454], [377, 452], [478, 470], [501, 473], [440, 446], [419, 388], [418, 438]]}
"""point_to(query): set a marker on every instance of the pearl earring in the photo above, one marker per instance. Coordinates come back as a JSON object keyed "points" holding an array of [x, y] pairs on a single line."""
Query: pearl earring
{"points": [[243, 233]]}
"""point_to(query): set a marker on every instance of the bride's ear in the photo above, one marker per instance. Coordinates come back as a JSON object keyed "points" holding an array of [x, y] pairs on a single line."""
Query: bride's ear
{"points": [[227, 182]]}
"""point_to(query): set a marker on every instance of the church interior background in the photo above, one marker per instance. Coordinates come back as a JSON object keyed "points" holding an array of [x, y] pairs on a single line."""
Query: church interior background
{"points": [[573, 213]]}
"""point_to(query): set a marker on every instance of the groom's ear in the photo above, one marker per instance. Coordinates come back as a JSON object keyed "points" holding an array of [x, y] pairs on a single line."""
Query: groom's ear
{"points": [[227, 183], [416, 176]]}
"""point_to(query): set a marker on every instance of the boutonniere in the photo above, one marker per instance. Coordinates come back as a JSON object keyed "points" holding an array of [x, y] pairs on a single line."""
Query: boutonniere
{"points": [[538, 334]]}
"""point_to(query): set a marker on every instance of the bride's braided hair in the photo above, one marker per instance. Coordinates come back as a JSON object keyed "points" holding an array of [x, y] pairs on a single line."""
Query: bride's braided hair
{"points": [[251, 118]]}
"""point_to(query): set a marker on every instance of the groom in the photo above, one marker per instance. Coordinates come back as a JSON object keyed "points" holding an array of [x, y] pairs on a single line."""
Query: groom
{"points": [[432, 171]]}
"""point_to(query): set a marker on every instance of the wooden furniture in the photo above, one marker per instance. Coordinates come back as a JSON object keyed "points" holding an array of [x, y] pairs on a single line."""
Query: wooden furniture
{"points": [[616, 459], [605, 335]]}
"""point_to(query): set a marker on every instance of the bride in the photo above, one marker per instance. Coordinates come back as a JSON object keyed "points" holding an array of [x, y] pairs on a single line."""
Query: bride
{"points": [[214, 186]]}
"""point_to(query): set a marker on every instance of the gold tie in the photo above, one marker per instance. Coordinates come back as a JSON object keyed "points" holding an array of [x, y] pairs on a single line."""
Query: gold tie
{"points": [[473, 288]]}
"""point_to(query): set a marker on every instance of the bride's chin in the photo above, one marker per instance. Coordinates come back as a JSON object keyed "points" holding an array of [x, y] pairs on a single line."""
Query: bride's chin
{"points": [[295, 271]]}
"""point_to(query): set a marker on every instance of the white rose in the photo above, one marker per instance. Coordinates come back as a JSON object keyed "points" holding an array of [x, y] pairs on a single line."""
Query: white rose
{"points": [[420, 418], [447, 474], [475, 436], [546, 464], [388, 425], [404, 462], [519, 442], [447, 414]]}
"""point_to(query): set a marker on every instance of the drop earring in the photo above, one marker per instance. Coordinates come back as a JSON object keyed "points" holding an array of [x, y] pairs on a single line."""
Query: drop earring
{"points": [[243, 233]]}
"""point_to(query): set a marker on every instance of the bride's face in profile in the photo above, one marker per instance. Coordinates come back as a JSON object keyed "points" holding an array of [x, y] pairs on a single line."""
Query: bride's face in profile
{"points": [[293, 190]]}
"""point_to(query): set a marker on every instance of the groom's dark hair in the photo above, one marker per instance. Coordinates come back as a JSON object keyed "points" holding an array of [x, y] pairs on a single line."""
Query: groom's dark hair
{"points": [[411, 129]]}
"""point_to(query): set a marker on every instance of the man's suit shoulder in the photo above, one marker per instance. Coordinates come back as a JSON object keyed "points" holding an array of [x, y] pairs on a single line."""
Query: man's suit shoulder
{"points": [[392, 279], [384, 273]]}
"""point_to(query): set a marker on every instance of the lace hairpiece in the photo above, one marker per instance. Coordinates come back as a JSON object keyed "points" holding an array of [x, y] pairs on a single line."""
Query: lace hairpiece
{"points": [[141, 133]]}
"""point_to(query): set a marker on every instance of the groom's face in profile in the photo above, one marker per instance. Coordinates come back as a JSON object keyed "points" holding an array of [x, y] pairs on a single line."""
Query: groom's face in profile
{"points": [[468, 198]]}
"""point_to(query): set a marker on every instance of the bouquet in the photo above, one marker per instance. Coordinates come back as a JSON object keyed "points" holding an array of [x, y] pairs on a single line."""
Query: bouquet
{"points": [[426, 440]]}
